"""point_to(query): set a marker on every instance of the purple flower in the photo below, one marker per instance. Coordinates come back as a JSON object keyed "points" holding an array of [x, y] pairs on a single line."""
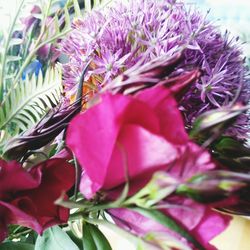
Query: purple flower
{"points": [[31, 20], [118, 37]]}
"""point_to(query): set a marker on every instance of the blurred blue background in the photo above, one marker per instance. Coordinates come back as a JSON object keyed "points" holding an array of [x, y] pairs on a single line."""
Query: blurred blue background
{"points": [[233, 15]]}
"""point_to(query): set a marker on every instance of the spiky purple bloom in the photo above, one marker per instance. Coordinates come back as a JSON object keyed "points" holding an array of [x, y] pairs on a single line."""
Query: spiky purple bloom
{"points": [[116, 38]]}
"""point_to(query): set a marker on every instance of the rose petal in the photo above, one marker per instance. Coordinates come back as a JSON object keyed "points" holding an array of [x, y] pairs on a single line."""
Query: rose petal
{"points": [[14, 215], [92, 135], [92, 140], [14, 178], [137, 152], [165, 106], [211, 225]]}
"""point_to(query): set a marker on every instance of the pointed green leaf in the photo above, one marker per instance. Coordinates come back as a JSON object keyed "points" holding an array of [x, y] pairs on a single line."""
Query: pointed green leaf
{"points": [[76, 240], [77, 8], [87, 240], [99, 238], [13, 58], [87, 5], [27, 104]]}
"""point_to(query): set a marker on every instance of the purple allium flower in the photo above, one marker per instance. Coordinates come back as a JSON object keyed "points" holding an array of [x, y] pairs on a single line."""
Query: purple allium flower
{"points": [[117, 37]]}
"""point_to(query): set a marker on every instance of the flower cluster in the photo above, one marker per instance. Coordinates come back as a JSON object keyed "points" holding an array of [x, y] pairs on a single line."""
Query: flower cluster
{"points": [[122, 149], [117, 38]]}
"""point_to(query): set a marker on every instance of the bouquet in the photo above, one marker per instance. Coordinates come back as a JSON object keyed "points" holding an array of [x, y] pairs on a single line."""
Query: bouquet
{"points": [[127, 115]]}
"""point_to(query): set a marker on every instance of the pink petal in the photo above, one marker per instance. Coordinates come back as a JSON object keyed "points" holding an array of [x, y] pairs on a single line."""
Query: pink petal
{"points": [[193, 160], [212, 224], [14, 215], [14, 178], [189, 215], [165, 106], [92, 135], [139, 152]]}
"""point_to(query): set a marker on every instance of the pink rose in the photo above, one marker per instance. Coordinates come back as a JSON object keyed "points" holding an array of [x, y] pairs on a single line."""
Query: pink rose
{"points": [[27, 197], [126, 134], [134, 135], [139, 135]]}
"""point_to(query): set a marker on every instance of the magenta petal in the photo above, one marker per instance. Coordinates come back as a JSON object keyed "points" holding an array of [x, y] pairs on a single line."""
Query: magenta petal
{"points": [[137, 152], [14, 178], [188, 214], [135, 222], [88, 187], [153, 96], [207, 226], [3, 230], [212, 224], [192, 161], [16, 216], [92, 135], [165, 106]]}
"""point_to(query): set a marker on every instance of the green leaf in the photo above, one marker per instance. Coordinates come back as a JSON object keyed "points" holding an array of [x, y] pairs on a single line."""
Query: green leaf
{"points": [[231, 148], [26, 104], [99, 238], [87, 5], [88, 241], [13, 58], [15, 41], [16, 246], [169, 223], [77, 9], [6, 44], [75, 239], [55, 238], [94, 239]]}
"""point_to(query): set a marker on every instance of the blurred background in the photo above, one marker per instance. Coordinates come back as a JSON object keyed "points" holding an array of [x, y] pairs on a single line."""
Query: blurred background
{"points": [[232, 15]]}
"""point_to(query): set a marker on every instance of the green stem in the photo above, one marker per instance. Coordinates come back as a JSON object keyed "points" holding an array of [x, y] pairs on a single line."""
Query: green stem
{"points": [[17, 235]]}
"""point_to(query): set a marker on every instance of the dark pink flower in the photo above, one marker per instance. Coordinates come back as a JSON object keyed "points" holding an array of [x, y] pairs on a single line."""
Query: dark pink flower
{"points": [[27, 197]]}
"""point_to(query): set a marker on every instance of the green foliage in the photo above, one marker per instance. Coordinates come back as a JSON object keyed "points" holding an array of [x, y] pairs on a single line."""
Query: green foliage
{"points": [[22, 103], [75, 239], [27, 102], [55, 238], [94, 239], [16, 246]]}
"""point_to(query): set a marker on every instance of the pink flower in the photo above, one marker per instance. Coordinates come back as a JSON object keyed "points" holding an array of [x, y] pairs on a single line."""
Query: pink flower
{"points": [[134, 135], [27, 197], [31, 20], [125, 134], [200, 221]]}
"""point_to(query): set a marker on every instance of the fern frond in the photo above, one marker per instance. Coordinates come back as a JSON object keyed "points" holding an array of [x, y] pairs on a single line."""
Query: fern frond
{"points": [[27, 103]]}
